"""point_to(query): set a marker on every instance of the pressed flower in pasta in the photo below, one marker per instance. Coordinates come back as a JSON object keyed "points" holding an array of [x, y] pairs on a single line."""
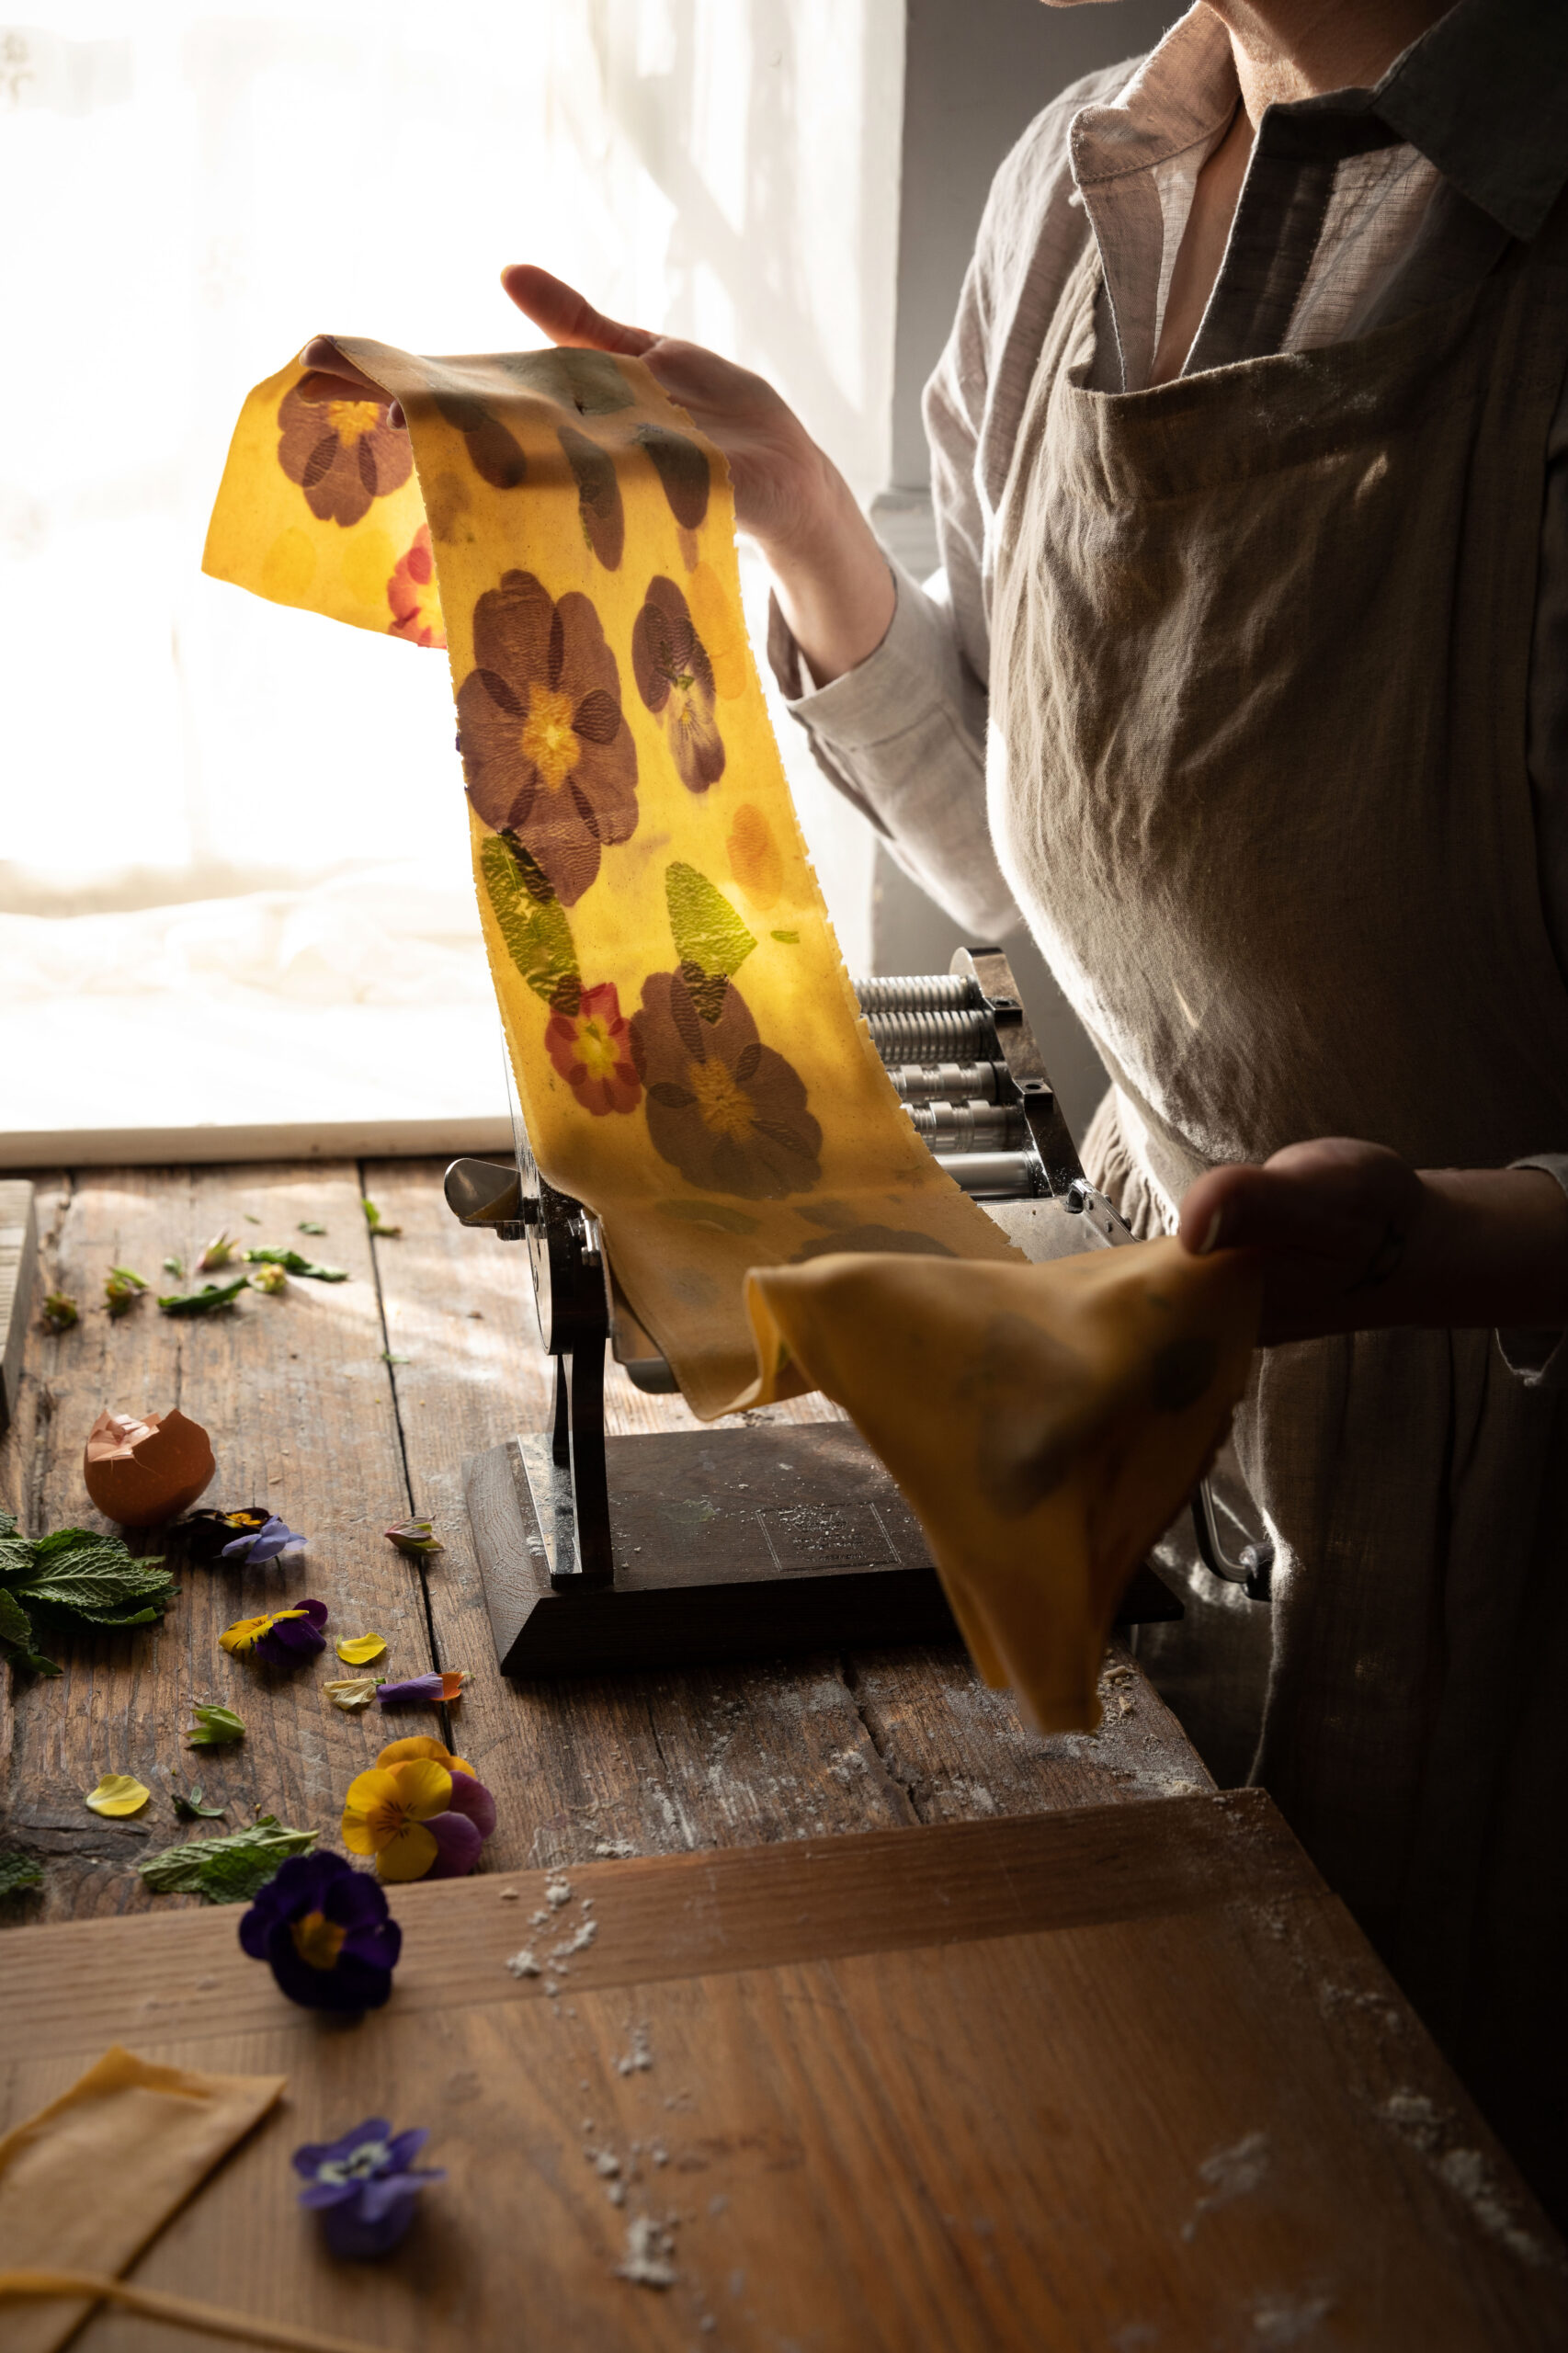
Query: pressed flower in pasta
{"points": [[343, 454], [282, 1637], [325, 1931], [592, 1050], [728, 1111], [674, 679], [599, 495], [413, 595], [365, 2185], [682, 469], [422, 1813], [546, 752], [494, 452]]}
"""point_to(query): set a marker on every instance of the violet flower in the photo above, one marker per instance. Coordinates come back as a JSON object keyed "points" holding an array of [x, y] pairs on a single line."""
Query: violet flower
{"points": [[325, 1931], [365, 2186], [206, 1534], [277, 1541], [282, 1637], [437, 1688]]}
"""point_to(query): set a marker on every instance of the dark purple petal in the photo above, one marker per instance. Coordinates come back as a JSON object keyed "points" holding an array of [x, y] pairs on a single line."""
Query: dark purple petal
{"points": [[472, 1797], [329, 2193], [458, 1844], [350, 2236], [402, 2147], [357, 1900], [413, 1687], [383, 2192], [361, 1977]]}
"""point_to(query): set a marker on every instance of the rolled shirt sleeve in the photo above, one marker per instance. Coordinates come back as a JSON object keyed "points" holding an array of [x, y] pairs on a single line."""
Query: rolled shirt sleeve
{"points": [[902, 735], [1539, 1357]]}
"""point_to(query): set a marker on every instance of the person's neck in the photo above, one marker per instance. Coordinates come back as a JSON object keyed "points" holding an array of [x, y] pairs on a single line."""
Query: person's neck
{"points": [[1296, 49]]}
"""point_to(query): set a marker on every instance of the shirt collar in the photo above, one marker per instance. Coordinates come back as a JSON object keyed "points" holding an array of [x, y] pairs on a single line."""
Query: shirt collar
{"points": [[1182, 95], [1484, 94]]}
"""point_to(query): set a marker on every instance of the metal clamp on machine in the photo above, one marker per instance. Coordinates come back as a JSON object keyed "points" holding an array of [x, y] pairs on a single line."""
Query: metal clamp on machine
{"points": [[769, 1535]]}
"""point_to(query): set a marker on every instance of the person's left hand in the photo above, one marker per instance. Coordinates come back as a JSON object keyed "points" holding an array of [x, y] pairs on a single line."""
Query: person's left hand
{"points": [[1354, 1238]]}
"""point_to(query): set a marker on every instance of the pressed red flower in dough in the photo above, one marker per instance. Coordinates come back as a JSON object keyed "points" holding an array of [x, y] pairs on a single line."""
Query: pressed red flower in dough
{"points": [[546, 751], [674, 679], [343, 454], [592, 1050], [414, 597], [727, 1111]]}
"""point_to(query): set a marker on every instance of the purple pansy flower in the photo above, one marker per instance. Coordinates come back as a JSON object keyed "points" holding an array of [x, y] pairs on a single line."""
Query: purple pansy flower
{"points": [[325, 1931], [290, 1637], [365, 2185], [276, 1542], [437, 1688]]}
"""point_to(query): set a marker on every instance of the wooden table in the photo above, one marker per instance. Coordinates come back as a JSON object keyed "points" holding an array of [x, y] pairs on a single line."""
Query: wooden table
{"points": [[1081, 2054], [307, 1415]]}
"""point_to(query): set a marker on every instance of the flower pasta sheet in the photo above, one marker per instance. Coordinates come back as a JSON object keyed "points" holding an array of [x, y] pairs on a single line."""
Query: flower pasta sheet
{"points": [[1047, 1423], [689, 1053]]}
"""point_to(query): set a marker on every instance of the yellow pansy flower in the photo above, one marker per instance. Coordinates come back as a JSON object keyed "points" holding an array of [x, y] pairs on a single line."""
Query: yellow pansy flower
{"points": [[385, 1812], [402, 1752]]}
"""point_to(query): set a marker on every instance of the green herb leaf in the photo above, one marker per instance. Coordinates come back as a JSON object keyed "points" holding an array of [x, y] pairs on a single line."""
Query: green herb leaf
{"points": [[710, 941], [249, 1219], [175, 1267], [191, 1809], [18, 1871], [294, 1264], [17, 1637], [217, 1252], [77, 1574], [205, 1302], [59, 1311], [226, 1870], [378, 1223], [533, 925], [308, 1225], [214, 1727], [122, 1288]]}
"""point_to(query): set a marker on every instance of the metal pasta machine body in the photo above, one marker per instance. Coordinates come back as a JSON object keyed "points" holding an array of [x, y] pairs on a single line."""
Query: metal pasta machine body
{"points": [[760, 1534]]}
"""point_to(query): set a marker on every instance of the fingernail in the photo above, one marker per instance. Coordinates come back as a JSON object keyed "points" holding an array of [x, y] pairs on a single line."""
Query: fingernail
{"points": [[1212, 1239]]}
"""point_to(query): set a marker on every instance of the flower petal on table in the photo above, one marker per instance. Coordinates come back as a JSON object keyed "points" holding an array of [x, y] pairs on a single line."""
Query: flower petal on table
{"points": [[117, 1795], [358, 1650], [458, 1845]]}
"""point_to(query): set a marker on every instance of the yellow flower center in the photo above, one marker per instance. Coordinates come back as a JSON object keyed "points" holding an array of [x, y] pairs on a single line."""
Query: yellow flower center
{"points": [[724, 1106], [598, 1048], [351, 420], [318, 1940], [549, 740]]}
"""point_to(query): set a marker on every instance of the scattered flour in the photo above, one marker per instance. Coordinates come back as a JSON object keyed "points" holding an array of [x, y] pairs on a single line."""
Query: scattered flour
{"points": [[524, 1963], [508, 1895], [615, 1849], [605, 2162], [1468, 2173], [1230, 2172], [640, 2058], [557, 1892], [648, 2247], [579, 1942]]}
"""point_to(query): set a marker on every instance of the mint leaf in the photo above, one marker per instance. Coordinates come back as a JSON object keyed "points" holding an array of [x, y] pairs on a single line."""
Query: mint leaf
{"points": [[76, 1573], [192, 1809], [226, 1870], [205, 1302], [214, 1727], [293, 1263], [538, 936], [17, 1636], [18, 1871]]}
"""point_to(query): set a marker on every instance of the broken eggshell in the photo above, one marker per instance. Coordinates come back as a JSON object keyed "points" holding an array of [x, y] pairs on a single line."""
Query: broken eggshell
{"points": [[141, 1468]]}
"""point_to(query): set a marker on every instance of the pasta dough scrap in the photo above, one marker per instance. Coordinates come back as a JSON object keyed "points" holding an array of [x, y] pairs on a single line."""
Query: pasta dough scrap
{"points": [[1046, 1424], [87, 2183]]}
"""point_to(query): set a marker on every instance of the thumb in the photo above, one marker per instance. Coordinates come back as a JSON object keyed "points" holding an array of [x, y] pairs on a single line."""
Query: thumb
{"points": [[566, 316]]}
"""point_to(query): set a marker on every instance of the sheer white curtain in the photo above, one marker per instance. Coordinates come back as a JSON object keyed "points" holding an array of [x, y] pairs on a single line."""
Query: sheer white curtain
{"points": [[232, 863]]}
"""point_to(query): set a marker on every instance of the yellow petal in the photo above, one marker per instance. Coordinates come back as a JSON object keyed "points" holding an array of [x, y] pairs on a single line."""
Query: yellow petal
{"points": [[118, 1794], [409, 1855], [398, 1752], [351, 1690], [358, 1650], [243, 1635]]}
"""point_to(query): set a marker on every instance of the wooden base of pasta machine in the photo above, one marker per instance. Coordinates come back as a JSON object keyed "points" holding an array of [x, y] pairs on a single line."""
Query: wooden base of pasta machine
{"points": [[726, 1543]]}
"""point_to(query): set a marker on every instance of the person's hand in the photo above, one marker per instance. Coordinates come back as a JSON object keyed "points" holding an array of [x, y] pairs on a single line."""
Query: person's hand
{"points": [[1354, 1238], [832, 577]]}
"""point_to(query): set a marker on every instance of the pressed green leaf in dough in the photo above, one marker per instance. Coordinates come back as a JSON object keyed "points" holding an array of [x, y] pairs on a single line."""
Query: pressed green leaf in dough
{"points": [[533, 923], [707, 932]]}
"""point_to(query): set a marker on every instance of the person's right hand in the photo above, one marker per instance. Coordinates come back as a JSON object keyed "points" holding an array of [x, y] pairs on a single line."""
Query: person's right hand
{"points": [[832, 578]]}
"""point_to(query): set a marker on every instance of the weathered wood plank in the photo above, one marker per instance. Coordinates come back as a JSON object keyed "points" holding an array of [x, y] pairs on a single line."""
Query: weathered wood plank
{"points": [[1097, 2078], [707, 1755], [295, 1395]]}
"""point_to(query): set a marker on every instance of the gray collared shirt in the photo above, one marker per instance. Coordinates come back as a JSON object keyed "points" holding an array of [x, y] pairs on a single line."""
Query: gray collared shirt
{"points": [[1359, 208]]}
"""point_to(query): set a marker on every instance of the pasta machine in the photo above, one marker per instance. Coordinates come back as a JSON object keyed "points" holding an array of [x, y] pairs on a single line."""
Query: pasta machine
{"points": [[760, 1534]]}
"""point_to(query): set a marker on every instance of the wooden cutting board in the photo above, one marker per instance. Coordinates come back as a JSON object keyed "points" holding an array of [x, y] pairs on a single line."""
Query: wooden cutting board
{"points": [[1122, 2078]]}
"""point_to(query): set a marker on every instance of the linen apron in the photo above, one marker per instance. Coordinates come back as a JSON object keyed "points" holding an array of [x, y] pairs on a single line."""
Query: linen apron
{"points": [[1260, 648]]}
